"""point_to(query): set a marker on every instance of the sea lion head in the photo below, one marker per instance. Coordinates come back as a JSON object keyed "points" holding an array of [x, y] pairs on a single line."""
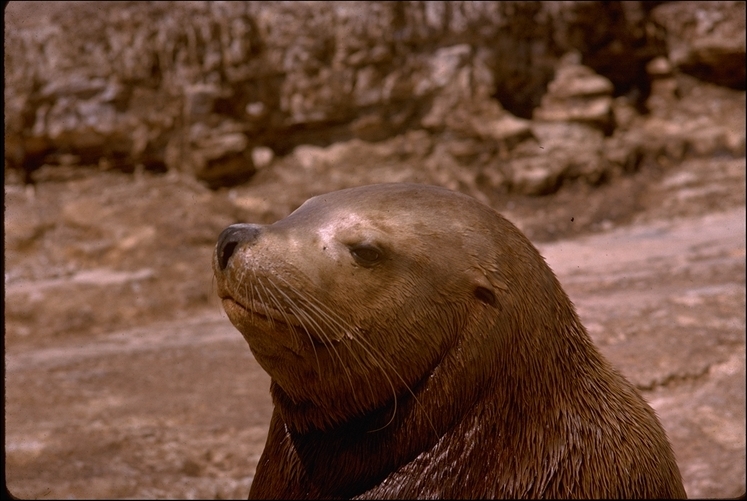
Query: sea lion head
{"points": [[362, 295]]}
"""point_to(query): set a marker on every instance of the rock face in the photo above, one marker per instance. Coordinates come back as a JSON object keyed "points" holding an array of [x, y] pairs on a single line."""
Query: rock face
{"points": [[706, 39], [199, 87]]}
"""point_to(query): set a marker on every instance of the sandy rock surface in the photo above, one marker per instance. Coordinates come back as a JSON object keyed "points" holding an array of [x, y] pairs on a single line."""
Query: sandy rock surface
{"points": [[106, 399]]}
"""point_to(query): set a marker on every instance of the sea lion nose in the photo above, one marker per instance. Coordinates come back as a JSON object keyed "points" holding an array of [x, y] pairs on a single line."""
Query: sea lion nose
{"points": [[231, 237]]}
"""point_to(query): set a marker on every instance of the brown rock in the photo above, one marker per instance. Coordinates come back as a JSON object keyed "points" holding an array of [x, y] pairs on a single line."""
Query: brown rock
{"points": [[706, 39], [196, 87], [577, 94]]}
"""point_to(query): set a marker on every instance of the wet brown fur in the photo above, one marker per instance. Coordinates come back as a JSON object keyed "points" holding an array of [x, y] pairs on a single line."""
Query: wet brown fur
{"points": [[455, 366]]}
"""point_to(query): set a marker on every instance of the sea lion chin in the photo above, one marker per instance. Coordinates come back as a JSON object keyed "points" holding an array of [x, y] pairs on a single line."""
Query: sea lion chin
{"points": [[419, 346]]}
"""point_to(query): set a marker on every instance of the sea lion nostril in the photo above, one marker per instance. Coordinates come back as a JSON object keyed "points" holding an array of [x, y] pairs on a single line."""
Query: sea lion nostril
{"points": [[231, 237], [225, 253]]}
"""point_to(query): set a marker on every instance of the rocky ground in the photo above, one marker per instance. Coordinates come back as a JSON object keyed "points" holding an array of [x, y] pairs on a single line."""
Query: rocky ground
{"points": [[125, 380]]}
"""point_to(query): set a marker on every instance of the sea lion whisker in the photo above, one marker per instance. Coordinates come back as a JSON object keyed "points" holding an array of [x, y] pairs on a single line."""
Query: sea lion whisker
{"points": [[213, 284], [280, 307], [257, 287], [370, 351], [252, 289], [303, 318], [249, 289], [300, 315], [318, 329], [327, 319], [324, 319], [261, 287], [360, 340], [331, 344], [244, 283], [241, 279], [321, 309], [309, 299]]}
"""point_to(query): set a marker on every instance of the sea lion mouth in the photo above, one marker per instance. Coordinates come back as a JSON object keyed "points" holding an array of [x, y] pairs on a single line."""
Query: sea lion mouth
{"points": [[258, 313], [262, 312]]}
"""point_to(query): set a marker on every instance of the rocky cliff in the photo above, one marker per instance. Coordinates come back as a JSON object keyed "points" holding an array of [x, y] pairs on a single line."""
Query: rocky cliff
{"points": [[512, 96]]}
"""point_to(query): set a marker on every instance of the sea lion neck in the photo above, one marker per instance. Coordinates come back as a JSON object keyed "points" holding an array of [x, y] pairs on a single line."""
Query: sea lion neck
{"points": [[418, 403], [385, 434]]}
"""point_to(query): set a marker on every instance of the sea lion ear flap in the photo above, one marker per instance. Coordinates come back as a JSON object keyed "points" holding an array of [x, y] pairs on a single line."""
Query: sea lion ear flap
{"points": [[487, 286]]}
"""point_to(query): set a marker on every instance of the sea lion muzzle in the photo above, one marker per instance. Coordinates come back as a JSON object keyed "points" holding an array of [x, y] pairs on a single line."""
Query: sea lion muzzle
{"points": [[233, 236]]}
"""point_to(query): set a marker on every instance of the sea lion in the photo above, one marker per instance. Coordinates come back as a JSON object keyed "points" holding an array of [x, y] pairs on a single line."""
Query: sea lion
{"points": [[419, 346]]}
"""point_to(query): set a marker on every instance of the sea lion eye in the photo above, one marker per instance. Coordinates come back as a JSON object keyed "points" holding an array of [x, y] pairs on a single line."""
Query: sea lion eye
{"points": [[366, 255]]}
